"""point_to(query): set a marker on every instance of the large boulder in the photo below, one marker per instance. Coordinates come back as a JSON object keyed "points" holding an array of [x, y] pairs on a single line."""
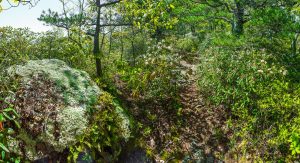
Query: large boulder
{"points": [[53, 101]]}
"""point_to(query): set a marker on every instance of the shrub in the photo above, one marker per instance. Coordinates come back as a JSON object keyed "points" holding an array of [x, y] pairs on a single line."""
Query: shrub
{"points": [[188, 44], [155, 75], [276, 120], [8, 125], [20, 45], [263, 102], [232, 75], [108, 129]]}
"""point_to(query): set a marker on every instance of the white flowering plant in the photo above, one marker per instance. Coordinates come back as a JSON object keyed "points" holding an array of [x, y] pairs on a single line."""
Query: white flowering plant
{"points": [[156, 73]]}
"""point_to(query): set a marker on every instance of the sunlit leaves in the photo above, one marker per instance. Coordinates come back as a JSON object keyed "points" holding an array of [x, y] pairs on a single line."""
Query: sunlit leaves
{"points": [[15, 3], [296, 9], [150, 14]]}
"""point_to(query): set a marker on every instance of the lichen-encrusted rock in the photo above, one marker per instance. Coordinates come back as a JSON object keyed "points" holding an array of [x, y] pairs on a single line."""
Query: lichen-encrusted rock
{"points": [[77, 87], [53, 101], [125, 122]]}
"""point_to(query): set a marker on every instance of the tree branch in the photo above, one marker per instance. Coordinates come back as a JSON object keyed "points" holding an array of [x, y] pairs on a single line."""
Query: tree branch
{"points": [[24, 2], [108, 3], [115, 25], [216, 5], [217, 17]]}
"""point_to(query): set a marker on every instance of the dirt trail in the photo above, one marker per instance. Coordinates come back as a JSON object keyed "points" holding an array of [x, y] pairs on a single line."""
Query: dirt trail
{"points": [[204, 125], [197, 131]]}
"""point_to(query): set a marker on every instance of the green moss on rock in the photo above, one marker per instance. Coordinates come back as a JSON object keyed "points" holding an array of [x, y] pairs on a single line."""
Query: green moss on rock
{"points": [[125, 122], [76, 85], [67, 106], [63, 116]]}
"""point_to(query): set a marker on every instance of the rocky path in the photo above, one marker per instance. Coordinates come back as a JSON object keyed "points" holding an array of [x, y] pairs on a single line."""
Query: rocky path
{"points": [[197, 131], [203, 129]]}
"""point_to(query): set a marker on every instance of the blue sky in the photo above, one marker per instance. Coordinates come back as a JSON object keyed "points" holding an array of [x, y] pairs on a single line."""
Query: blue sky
{"points": [[24, 16]]}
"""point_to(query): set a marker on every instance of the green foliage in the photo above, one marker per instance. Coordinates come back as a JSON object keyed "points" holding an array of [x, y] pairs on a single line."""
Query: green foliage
{"points": [[9, 119], [150, 15], [255, 85], [295, 143], [8, 125], [15, 46], [232, 74], [278, 113], [15, 3], [136, 49], [20, 45], [249, 63], [187, 44], [103, 138], [155, 75]]}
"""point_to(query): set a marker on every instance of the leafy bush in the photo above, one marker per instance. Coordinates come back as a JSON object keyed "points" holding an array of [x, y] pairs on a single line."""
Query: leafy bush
{"points": [[188, 44], [103, 138], [255, 86], [276, 119], [8, 124], [136, 49], [20, 45], [156, 74], [15, 46], [232, 75]]}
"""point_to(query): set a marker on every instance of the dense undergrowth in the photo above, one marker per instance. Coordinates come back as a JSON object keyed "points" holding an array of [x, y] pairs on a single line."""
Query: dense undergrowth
{"points": [[155, 78], [103, 140], [259, 87], [253, 74], [261, 90]]}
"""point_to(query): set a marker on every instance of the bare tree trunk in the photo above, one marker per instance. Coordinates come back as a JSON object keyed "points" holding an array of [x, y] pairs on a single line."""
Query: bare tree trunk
{"points": [[50, 50], [96, 50], [102, 44], [110, 43], [122, 45], [111, 31], [238, 24], [132, 46], [294, 44]]}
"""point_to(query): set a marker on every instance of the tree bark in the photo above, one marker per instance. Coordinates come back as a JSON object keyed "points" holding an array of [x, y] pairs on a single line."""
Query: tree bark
{"points": [[122, 46], [238, 23], [111, 31], [132, 45], [294, 44], [96, 50]]}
